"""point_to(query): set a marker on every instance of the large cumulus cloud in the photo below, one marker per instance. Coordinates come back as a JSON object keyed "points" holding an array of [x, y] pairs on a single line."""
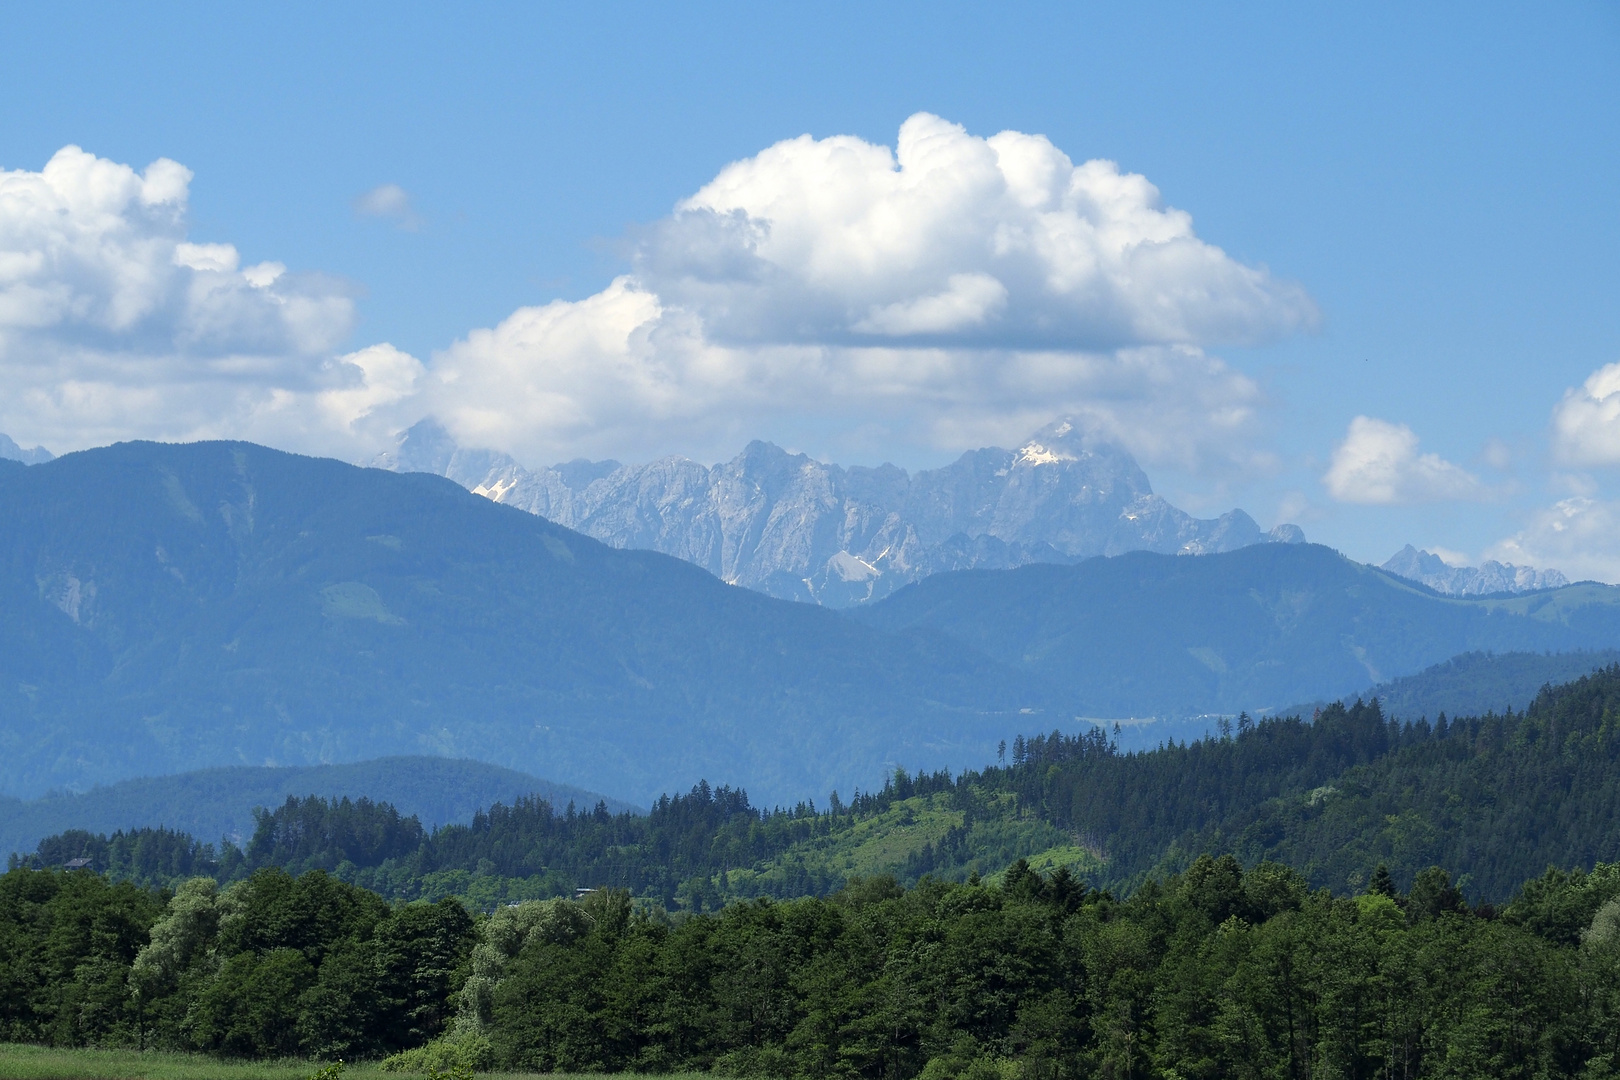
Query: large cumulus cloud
{"points": [[955, 239], [113, 324], [950, 291]]}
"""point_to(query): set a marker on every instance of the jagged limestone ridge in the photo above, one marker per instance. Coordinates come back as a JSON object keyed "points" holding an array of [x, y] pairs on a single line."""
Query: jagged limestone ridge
{"points": [[797, 528]]}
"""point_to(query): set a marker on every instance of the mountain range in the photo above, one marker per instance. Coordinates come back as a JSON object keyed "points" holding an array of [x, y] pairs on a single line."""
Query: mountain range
{"points": [[174, 607], [165, 608], [796, 528], [1482, 580]]}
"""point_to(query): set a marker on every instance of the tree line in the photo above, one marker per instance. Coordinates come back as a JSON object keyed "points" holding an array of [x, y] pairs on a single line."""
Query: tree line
{"points": [[1214, 972]]}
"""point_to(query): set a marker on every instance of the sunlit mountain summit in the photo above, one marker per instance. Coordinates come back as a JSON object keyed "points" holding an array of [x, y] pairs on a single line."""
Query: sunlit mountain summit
{"points": [[793, 527], [1487, 578]]}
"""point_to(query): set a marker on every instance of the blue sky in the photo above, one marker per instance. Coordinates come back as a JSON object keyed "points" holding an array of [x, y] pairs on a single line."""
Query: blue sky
{"points": [[1441, 185]]}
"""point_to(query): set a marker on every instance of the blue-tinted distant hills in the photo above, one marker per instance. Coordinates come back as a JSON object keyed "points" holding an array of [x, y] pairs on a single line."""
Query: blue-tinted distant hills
{"points": [[165, 608], [170, 608], [214, 803], [1143, 634], [1477, 683], [1472, 684]]}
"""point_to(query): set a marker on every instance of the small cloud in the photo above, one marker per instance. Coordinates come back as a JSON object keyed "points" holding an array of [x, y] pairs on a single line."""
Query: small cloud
{"points": [[1295, 506], [946, 237], [1450, 557], [389, 201], [1586, 424], [219, 258], [1378, 464], [1580, 535], [1497, 454]]}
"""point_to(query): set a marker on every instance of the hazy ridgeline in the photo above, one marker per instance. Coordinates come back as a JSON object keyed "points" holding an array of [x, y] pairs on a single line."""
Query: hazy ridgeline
{"points": [[215, 803]]}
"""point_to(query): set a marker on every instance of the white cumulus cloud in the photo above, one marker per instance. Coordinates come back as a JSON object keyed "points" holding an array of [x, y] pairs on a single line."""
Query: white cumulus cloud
{"points": [[1579, 536], [114, 324], [949, 291], [1378, 463], [1586, 423], [625, 374], [389, 201], [1000, 240]]}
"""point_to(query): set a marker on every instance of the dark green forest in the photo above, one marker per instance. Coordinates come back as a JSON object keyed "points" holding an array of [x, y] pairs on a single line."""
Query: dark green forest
{"points": [[1215, 972]]}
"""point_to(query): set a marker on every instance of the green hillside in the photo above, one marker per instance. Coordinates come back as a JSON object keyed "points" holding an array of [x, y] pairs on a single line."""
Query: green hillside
{"points": [[1293, 898], [165, 608], [1495, 799], [1174, 636], [214, 803]]}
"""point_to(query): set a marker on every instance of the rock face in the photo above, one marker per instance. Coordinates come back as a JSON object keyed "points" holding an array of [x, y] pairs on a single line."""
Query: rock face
{"points": [[10, 451], [796, 528], [1489, 577]]}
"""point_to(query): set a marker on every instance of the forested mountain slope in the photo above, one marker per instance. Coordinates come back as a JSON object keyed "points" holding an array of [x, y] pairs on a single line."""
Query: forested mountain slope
{"points": [[1143, 634], [167, 607]]}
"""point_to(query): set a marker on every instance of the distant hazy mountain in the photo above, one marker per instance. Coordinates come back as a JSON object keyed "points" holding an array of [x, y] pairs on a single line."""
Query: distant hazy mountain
{"points": [[795, 528], [1476, 683], [10, 451], [169, 608], [1489, 577], [1152, 635], [166, 608], [215, 803]]}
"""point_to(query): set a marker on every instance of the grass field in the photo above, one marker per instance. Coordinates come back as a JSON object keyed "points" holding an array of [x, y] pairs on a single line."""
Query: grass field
{"points": [[21, 1062]]}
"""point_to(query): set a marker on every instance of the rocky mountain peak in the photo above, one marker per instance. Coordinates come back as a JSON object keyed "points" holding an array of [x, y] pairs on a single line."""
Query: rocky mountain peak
{"points": [[1490, 576], [1061, 440], [10, 451], [794, 527]]}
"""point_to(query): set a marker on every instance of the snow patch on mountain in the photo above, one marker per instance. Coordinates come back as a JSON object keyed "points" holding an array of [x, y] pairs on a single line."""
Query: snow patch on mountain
{"points": [[1488, 577], [793, 527]]}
